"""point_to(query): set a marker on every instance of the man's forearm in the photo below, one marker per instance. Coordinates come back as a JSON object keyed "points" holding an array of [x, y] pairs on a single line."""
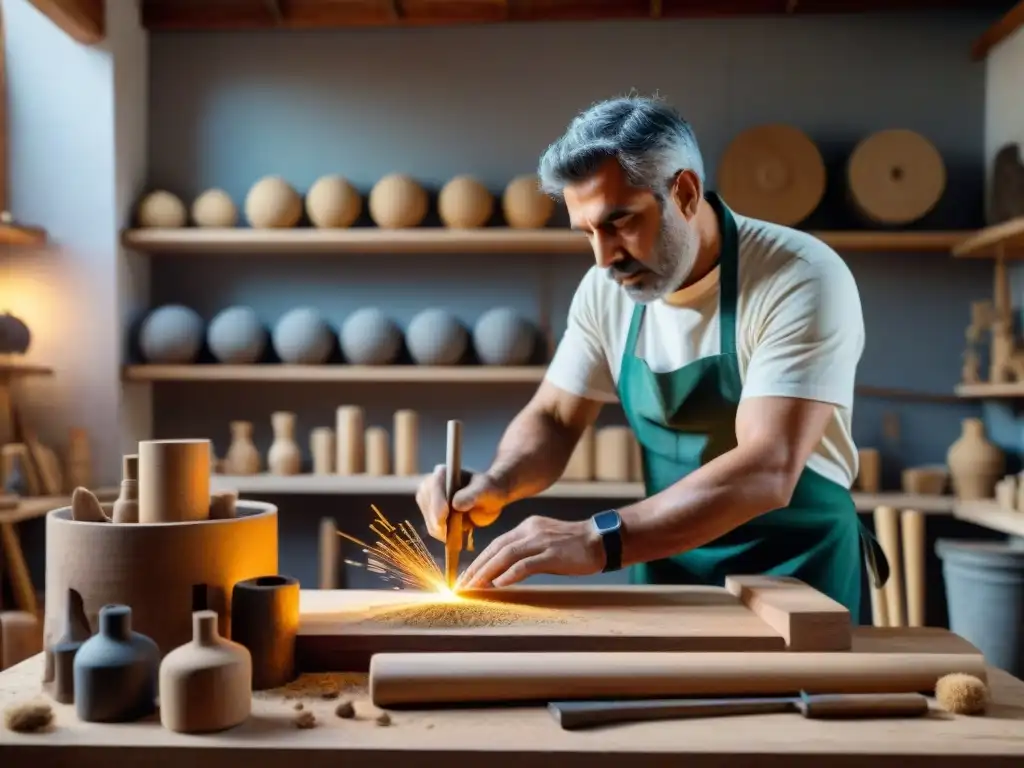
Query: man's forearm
{"points": [[532, 454], [720, 496]]}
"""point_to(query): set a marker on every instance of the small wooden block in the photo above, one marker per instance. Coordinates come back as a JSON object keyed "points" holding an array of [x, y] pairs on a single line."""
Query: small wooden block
{"points": [[807, 619], [21, 636]]}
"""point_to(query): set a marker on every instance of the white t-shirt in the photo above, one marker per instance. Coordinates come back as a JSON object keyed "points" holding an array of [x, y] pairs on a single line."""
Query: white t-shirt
{"points": [[800, 332]]}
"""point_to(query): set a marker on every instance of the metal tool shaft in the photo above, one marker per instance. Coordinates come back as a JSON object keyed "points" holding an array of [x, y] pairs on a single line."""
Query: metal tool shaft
{"points": [[453, 477]]}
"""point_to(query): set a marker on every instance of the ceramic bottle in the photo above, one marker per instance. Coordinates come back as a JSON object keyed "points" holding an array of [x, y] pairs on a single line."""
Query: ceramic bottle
{"points": [[115, 671], [59, 658], [206, 684], [126, 507], [975, 464], [242, 457], [284, 457], [265, 619]]}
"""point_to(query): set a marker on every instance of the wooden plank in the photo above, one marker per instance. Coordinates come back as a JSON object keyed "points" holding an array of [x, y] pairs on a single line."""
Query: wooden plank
{"points": [[985, 389], [498, 736], [377, 374], [1009, 23], [988, 514], [342, 629], [82, 20], [807, 619], [983, 243], [246, 242]]}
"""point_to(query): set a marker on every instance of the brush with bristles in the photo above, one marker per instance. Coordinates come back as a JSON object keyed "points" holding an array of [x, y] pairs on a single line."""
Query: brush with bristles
{"points": [[961, 694]]}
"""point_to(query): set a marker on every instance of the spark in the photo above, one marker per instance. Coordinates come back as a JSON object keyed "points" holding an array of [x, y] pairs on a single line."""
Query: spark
{"points": [[399, 556]]}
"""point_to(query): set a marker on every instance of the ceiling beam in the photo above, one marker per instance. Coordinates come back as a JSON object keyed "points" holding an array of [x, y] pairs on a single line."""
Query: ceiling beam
{"points": [[82, 20], [1011, 21]]}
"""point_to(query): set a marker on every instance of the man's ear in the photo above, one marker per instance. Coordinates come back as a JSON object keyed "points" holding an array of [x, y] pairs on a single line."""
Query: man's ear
{"points": [[686, 193]]}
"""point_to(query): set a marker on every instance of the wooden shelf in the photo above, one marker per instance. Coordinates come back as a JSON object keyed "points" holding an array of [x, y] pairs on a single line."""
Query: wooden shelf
{"points": [[986, 390], [365, 485], [245, 241], [11, 234], [30, 507], [988, 514], [456, 374], [985, 242], [10, 369]]}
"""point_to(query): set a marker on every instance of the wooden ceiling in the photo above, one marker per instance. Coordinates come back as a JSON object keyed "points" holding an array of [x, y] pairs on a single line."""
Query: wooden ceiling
{"points": [[185, 15]]}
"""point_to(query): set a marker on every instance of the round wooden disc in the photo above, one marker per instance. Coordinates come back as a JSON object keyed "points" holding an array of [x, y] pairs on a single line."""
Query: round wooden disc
{"points": [[895, 176], [772, 172]]}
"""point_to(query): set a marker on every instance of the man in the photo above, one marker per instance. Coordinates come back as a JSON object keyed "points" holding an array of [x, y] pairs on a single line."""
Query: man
{"points": [[732, 345]]}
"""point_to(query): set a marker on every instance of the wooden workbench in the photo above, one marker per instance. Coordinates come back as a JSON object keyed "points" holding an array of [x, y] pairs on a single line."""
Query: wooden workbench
{"points": [[497, 737]]}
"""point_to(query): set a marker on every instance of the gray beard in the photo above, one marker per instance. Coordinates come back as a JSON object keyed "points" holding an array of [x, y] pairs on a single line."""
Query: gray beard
{"points": [[675, 253]]}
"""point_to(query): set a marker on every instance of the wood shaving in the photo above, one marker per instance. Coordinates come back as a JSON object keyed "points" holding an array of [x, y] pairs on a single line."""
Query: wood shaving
{"points": [[383, 719], [305, 719], [463, 614], [28, 718]]}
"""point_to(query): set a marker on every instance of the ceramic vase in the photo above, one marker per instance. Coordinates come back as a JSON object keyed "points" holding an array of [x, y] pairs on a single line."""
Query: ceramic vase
{"points": [[975, 464], [59, 658], [242, 457], [126, 507], [265, 619], [206, 684], [284, 456], [115, 671]]}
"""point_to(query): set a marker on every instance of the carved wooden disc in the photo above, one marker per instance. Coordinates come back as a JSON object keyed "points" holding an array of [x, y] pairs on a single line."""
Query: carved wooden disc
{"points": [[895, 176], [772, 172]]}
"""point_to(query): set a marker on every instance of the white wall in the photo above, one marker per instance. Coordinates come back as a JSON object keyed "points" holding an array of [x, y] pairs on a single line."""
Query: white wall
{"points": [[1004, 97], [77, 152]]}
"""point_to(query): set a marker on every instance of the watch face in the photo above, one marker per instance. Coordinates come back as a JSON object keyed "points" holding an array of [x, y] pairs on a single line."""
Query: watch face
{"points": [[607, 521]]}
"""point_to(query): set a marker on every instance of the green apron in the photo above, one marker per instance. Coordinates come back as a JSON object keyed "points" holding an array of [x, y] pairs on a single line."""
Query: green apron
{"points": [[687, 417]]}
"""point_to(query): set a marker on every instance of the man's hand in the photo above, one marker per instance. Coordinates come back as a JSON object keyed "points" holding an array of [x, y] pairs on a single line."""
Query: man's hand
{"points": [[480, 497], [537, 545]]}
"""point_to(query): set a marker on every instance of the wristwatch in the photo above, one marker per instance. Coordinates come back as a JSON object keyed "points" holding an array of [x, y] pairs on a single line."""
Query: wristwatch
{"points": [[608, 524]]}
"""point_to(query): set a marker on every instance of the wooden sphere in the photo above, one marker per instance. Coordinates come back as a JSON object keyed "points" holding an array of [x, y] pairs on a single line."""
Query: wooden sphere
{"points": [[332, 202], [397, 201], [465, 203], [524, 205], [895, 176], [772, 172], [272, 203], [214, 208], [161, 209]]}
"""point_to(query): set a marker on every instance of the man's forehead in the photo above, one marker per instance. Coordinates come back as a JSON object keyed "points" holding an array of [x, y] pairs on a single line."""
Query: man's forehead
{"points": [[601, 197]]}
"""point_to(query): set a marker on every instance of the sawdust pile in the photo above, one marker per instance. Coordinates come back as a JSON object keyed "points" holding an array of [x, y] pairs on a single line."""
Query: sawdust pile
{"points": [[464, 614], [323, 685], [28, 718]]}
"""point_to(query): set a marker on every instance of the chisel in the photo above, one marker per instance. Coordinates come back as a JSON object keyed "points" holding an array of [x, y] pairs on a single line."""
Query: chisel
{"points": [[453, 476]]}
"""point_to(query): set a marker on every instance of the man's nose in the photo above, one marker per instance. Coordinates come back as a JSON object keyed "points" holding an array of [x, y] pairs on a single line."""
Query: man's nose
{"points": [[606, 250]]}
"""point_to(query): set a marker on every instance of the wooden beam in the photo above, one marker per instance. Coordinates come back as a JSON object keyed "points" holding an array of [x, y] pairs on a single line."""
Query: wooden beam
{"points": [[1011, 21], [82, 20]]}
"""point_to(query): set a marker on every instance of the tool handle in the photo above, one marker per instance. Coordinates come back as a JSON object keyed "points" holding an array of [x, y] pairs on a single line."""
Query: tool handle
{"points": [[453, 461], [575, 715], [862, 705]]}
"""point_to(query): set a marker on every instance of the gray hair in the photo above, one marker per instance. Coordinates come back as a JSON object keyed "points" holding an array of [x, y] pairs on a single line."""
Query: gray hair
{"points": [[647, 137]]}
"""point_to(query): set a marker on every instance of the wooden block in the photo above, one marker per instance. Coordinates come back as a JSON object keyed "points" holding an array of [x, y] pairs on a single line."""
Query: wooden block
{"points": [[807, 619], [21, 636]]}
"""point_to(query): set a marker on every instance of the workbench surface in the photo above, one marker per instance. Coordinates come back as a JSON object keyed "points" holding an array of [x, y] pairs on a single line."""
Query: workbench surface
{"points": [[493, 737]]}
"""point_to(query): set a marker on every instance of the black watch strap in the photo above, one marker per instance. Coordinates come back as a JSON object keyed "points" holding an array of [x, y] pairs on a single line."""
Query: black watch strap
{"points": [[609, 527]]}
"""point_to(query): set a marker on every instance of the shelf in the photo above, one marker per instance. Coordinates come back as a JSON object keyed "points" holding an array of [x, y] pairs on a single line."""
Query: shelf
{"points": [[986, 390], [30, 507], [11, 234], [984, 243], [456, 374], [245, 241], [988, 514], [11, 369], [365, 485]]}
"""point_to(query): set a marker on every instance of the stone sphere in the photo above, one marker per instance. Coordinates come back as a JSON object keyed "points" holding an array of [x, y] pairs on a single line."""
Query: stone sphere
{"points": [[369, 337], [236, 336], [161, 208], [15, 337], [171, 335], [214, 208], [436, 337], [503, 337], [524, 205], [464, 203], [398, 201], [332, 202], [303, 337], [272, 203]]}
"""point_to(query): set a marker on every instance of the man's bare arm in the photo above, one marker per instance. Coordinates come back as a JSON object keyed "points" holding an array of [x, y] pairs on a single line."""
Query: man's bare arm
{"points": [[775, 436], [538, 443]]}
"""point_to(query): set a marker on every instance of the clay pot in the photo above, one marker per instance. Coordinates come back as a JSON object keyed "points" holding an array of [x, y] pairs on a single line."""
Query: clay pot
{"points": [[242, 457], [59, 658], [975, 464], [115, 671], [126, 507], [205, 685], [15, 337], [265, 619]]}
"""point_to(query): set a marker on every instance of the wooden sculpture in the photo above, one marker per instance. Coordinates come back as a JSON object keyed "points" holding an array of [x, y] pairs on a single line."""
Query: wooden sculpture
{"points": [[895, 177]]}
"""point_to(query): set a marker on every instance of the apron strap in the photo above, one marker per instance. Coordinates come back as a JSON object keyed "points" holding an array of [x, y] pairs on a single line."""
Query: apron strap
{"points": [[728, 276]]}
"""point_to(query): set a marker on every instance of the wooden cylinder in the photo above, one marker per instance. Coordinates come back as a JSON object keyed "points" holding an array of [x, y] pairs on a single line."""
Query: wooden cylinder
{"points": [[378, 460], [265, 619], [886, 521], [636, 459], [913, 533], [330, 551], [160, 571], [174, 481], [321, 445], [869, 476], [612, 454], [580, 467], [349, 440], [406, 432], [449, 678]]}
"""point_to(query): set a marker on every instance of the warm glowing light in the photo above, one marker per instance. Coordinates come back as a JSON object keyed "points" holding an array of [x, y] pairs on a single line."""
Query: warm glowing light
{"points": [[399, 555]]}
